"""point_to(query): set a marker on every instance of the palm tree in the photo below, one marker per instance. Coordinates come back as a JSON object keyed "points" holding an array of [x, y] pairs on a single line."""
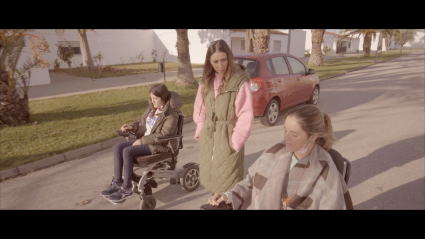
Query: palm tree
{"points": [[388, 34], [248, 40], [366, 33], [260, 40], [13, 108], [184, 70], [316, 58], [85, 50]]}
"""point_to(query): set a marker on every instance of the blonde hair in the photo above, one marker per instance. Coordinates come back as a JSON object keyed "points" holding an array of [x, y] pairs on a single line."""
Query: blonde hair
{"points": [[314, 121], [209, 72]]}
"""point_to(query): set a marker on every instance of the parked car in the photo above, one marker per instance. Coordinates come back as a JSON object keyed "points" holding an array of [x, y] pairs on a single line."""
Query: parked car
{"points": [[278, 81]]}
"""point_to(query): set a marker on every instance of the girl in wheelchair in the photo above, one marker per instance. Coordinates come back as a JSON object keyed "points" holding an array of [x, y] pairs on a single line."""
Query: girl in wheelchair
{"points": [[295, 173], [159, 119]]}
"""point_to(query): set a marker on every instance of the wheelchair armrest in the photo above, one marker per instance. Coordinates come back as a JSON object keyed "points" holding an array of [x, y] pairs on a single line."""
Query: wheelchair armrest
{"points": [[176, 136]]}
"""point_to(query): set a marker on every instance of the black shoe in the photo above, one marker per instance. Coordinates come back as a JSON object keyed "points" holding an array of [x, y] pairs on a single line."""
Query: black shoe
{"points": [[114, 187], [221, 206]]}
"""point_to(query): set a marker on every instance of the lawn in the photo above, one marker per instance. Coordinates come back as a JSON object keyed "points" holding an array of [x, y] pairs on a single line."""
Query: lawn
{"points": [[340, 65], [121, 70], [72, 122]]}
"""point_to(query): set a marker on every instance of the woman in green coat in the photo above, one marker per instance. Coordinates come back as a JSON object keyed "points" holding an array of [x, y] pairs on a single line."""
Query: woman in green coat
{"points": [[224, 116]]}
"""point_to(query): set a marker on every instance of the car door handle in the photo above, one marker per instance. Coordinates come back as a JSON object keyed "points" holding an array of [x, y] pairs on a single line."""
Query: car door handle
{"points": [[279, 80]]}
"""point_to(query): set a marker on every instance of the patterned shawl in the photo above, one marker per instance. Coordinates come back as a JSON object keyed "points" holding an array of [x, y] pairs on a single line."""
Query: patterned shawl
{"points": [[321, 187]]}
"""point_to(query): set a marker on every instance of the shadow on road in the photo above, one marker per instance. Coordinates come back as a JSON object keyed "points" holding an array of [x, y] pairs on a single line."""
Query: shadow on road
{"points": [[397, 198], [381, 160]]}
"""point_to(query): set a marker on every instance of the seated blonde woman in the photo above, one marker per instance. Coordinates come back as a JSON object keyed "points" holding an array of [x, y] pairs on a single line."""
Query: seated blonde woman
{"points": [[295, 173]]}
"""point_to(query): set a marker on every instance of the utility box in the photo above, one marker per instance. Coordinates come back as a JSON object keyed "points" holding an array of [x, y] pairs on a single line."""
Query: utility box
{"points": [[161, 67]]}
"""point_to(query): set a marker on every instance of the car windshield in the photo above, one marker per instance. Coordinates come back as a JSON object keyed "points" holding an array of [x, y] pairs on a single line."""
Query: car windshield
{"points": [[252, 65]]}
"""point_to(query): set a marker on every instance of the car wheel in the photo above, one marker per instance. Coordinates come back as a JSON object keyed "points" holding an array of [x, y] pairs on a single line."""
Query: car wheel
{"points": [[272, 113], [314, 96]]}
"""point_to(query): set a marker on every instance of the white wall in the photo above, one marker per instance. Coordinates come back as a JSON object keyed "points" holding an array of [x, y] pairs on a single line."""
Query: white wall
{"points": [[38, 76], [112, 43], [237, 45], [199, 39], [297, 46]]}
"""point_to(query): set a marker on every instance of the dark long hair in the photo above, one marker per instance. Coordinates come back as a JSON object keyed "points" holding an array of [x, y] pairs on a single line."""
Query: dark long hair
{"points": [[209, 72], [314, 121], [159, 90]]}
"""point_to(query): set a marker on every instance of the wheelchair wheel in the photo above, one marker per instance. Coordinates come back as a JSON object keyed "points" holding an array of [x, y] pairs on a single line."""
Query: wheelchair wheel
{"points": [[190, 178], [152, 200]]}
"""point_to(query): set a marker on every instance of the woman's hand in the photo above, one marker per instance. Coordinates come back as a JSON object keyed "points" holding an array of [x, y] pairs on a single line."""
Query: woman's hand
{"points": [[217, 198], [137, 142], [126, 127]]}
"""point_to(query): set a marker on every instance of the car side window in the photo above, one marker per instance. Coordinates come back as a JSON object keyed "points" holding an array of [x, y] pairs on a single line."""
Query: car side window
{"points": [[252, 66], [269, 66], [296, 66], [280, 66]]}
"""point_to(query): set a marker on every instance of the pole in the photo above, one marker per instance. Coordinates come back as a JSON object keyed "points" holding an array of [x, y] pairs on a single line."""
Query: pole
{"points": [[163, 70], [289, 41], [377, 48]]}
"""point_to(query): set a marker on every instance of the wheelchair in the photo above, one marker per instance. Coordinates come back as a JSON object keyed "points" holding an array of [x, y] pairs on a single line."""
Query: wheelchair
{"points": [[161, 166]]}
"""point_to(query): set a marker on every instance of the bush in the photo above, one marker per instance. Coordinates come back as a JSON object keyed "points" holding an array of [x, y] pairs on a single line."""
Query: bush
{"points": [[307, 52], [326, 49]]}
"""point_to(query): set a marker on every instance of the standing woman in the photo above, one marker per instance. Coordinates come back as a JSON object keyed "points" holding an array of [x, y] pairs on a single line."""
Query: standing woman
{"points": [[224, 116]]}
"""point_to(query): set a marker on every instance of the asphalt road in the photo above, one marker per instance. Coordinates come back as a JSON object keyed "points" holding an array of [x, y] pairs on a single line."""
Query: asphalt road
{"points": [[377, 114]]}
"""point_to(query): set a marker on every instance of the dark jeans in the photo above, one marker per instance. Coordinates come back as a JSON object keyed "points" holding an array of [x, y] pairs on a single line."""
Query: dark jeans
{"points": [[123, 159]]}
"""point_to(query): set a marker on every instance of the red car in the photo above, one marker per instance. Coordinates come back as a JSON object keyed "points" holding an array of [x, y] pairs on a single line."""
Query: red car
{"points": [[278, 81]]}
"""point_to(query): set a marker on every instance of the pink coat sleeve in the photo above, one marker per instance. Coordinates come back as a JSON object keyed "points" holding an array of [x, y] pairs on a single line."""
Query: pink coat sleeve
{"points": [[199, 113], [245, 113]]}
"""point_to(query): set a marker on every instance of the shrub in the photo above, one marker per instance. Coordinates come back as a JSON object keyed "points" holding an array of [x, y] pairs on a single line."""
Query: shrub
{"points": [[326, 49]]}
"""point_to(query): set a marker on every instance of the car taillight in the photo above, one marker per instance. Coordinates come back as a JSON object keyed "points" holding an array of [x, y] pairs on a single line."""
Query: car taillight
{"points": [[256, 84]]}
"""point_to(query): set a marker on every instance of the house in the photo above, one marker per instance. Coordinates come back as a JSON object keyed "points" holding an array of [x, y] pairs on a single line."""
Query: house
{"points": [[331, 39], [121, 46]]}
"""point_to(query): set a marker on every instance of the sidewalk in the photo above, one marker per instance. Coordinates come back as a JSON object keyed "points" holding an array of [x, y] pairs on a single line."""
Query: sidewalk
{"points": [[65, 85], [329, 56]]}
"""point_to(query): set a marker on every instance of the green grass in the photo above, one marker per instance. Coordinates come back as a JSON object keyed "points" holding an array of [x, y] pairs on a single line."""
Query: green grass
{"points": [[341, 65], [121, 70], [72, 122]]}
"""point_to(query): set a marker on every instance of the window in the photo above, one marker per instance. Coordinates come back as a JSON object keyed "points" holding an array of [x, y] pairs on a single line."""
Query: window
{"points": [[349, 44], [296, 66], [276, 45], [75, 45], [251, 65], [242, 45], [280, 66]]}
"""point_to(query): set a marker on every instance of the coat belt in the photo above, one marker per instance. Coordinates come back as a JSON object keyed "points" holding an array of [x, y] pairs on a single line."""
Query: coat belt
{"points": [[212, 123]]}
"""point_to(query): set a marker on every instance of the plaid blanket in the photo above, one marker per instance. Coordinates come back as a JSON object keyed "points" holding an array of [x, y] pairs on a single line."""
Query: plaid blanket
{"points": [[321, 187]]}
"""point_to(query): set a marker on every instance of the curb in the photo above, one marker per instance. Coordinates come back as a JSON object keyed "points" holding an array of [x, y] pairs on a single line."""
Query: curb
{"points": [[340, 74], [64, 157]]}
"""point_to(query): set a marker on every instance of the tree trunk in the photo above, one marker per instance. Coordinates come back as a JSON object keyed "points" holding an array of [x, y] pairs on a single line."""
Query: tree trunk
{"points": [[13, 109], [367, 43], [316, 58], [85, 50], [260, 40], [380, 43], [248, 42], [184, 71], [386, 44]]}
